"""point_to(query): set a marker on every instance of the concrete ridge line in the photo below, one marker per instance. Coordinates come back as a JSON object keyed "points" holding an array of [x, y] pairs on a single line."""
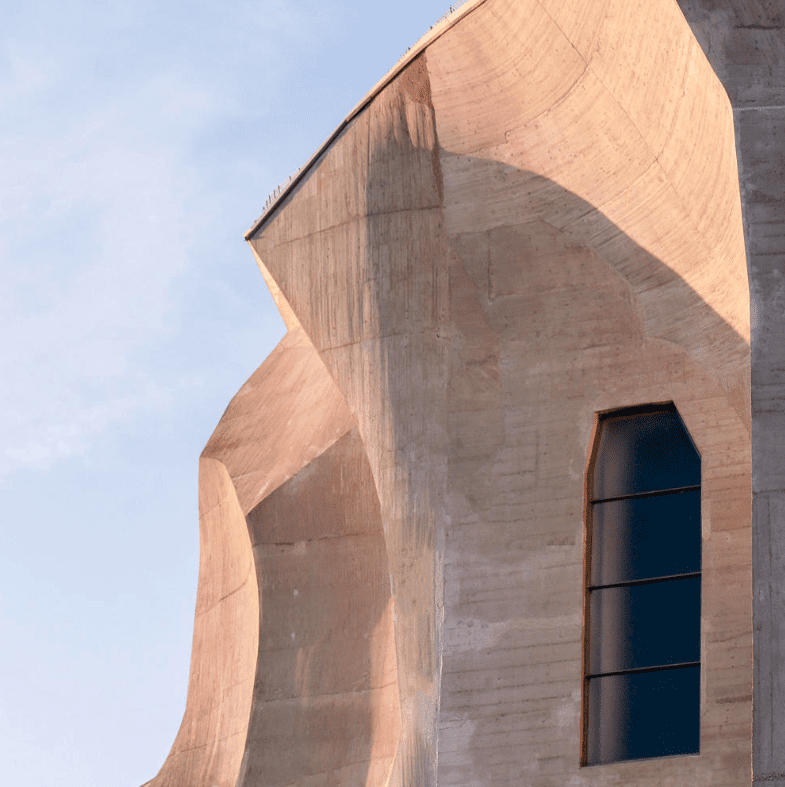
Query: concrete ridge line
{"points": [[426, 40]]}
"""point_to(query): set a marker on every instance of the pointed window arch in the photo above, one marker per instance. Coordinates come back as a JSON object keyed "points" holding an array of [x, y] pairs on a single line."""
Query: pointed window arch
{"points": [[643, 588]]}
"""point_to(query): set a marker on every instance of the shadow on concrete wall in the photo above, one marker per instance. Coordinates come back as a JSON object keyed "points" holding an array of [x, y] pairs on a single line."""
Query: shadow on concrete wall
{"points": [[325, 696], [474, 289]]}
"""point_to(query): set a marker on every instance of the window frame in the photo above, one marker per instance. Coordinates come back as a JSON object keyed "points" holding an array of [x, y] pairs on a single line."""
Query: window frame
{"points": [[588, 587]]}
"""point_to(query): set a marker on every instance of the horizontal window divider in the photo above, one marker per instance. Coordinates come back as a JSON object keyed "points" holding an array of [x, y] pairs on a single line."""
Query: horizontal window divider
{"points": [[647, 581], [637, 670], [653, 493]]}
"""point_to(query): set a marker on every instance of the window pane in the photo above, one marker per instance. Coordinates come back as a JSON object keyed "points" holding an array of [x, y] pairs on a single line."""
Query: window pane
{"points": [[644, 625], [647, 714], [646, 537], [643, 453]]}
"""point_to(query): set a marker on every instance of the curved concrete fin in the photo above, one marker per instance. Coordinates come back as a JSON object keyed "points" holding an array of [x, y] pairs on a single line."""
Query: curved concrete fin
{"points": [[209, 746], [325, 705], [284, 309], [288, 412]]}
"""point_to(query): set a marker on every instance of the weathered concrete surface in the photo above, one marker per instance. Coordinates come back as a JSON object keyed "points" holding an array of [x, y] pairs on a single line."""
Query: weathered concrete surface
{"points": [[293, 627], [536, 218], [523, 228], [745, 42], [326, 673]]}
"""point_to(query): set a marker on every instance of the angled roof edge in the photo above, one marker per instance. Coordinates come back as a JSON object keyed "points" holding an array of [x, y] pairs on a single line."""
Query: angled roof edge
{"points": [[438, 30]]}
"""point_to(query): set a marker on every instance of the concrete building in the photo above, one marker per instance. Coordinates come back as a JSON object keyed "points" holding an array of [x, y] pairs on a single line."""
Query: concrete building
{"points": [[523, 248]]}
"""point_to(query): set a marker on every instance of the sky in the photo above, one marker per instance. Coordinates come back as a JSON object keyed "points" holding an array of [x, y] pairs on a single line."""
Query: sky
{"points": [[138, 142]]}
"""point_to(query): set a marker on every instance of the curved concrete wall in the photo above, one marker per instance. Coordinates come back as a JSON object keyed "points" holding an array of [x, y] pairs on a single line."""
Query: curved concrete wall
{"points": [[293, 627], [535, 219]]}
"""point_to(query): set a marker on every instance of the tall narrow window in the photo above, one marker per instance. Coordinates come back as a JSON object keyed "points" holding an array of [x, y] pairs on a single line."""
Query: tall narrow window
{"points": [[642, 654]]}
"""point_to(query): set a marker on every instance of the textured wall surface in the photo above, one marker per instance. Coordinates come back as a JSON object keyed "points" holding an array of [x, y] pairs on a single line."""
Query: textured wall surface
{"points": [[535, 218], [745, 42], [293, 629]]}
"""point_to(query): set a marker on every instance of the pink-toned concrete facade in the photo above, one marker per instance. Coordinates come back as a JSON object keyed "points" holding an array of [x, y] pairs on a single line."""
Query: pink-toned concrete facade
{"points": [[534, 218]]}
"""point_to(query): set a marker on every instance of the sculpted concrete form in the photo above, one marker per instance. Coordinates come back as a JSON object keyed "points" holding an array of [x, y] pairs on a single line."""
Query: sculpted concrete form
{"points": [[535, 218]]}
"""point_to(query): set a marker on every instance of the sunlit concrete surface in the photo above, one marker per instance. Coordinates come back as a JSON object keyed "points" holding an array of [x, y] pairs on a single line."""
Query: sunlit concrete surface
{"points": [[534, 218]]}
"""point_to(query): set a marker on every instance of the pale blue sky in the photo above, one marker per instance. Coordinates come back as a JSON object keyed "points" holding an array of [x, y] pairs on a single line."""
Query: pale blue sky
{"points": [[138, 141]]}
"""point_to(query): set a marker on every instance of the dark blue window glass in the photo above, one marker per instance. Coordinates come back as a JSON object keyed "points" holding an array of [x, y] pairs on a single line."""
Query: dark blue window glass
{"points": [[643, 453], [642, 690], [645, 625], [635, 538], [644, 714]]}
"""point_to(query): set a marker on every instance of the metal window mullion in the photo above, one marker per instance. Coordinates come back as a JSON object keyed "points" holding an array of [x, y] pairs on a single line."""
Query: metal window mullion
{"points": [[651, 493], [639, 670], [647, 581]]}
